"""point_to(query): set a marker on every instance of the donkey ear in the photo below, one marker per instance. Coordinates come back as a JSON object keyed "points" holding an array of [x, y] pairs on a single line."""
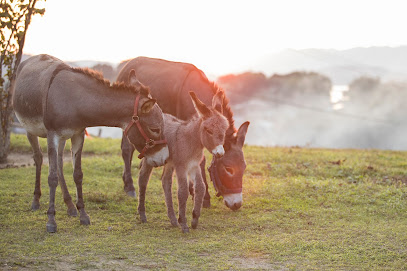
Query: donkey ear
{"points": [[200, 107], [241, 134], [133, 78], [147, 106], [217, 101]]}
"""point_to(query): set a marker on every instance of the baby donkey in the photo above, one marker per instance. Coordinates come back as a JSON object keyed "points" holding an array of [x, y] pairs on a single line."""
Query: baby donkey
{"points": [[186, 142]]}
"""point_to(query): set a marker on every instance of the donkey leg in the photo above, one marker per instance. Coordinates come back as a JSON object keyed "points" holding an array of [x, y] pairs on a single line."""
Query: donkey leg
{"points": [[166, 180], [191, 189], [37, 155], [77, 145], [67, 197], [127, 154], [199, 198], [182, 199], [207, 197], [52, 140], [144, 177]]}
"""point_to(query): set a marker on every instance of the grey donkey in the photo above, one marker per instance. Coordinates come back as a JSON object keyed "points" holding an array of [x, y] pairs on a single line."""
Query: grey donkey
{"points": [[186, 143], [55, 101]]}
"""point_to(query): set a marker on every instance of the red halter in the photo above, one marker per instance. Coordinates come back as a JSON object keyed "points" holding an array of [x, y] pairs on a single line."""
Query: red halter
{"points": [[136, 120]]}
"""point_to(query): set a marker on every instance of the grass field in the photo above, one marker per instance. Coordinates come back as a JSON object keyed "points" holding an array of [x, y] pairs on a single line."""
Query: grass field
{"points": [[304, 209]]}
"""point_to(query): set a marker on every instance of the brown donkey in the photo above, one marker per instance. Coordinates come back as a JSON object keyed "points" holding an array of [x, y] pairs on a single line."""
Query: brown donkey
{"points": [[170, 83], [186, 142], [58, 102]]}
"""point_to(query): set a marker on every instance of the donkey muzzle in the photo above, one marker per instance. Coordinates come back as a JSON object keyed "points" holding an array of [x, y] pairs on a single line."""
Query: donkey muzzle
{"points": [[233, 201], [218, 151]]}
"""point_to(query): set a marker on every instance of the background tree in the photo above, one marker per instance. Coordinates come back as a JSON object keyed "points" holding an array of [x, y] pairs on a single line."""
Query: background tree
{"points": [[15, 17]]}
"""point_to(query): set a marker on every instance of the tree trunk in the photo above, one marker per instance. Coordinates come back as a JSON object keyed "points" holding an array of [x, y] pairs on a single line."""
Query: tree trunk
{"points": [[5, 140], [16, 33], [5, 120]]}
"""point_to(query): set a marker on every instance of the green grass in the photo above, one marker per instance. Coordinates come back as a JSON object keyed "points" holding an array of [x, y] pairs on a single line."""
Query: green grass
{"points": [[303, 210], [94, 145]]}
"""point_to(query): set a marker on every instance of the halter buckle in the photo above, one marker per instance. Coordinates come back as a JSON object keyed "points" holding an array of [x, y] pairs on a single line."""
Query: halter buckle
{"points": [[150, 143], [135, 118]]}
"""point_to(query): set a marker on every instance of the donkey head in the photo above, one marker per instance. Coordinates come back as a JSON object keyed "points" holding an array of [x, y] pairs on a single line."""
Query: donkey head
{"points": [[147, 135], [214, 124], [227, 172]]}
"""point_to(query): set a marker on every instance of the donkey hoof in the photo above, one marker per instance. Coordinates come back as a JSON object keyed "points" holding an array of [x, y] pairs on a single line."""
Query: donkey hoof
{"points": [[72, 212], [131, 194], [51, 228], [85, 220], [143, 218], [206, 203], [194, 223], [174, 223], [35, 205], [184, 228]]}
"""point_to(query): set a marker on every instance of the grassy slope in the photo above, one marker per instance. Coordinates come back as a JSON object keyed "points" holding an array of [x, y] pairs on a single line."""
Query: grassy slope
{"points": [[301, 211]]}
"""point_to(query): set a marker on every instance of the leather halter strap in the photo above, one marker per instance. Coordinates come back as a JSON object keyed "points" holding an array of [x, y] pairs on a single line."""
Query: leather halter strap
{"points": [[135, 119]]}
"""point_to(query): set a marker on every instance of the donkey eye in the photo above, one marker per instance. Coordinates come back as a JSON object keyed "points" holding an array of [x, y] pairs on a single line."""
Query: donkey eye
{"points": [[209, 131], [229, 170]]}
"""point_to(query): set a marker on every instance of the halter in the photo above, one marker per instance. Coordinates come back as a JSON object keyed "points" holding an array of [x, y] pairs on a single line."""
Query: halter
{"points": [[219, 187], [135, 119]]}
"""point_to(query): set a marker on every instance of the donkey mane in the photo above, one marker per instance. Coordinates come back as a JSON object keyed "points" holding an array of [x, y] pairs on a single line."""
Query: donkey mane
{"points": [[98, 76], [227, 111]]}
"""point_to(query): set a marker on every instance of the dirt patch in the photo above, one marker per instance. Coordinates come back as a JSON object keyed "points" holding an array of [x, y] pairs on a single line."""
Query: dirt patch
{"points": [[16, 160], [245, 263]]}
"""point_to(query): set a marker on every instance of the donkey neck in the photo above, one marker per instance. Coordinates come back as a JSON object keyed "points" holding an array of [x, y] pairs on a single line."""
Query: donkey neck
{"points": [[184, 137], [87, 103], [192, 129], [191, 132], [110, 108]]}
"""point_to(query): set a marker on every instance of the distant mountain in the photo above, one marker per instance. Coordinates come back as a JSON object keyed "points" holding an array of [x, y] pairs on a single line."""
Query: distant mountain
{"points": [[342, 66]]}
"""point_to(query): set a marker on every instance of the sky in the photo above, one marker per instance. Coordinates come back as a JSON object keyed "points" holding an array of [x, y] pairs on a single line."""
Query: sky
{"points": [[218, 36]]}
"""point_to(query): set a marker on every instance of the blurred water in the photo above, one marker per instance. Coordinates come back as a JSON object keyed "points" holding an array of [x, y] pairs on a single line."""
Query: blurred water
{"points": [[338, 93]]}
